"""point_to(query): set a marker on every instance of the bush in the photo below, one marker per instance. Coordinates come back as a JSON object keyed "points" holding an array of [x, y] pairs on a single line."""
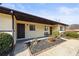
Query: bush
{"points": [[55, 34], [71, 34], [6, 43]]}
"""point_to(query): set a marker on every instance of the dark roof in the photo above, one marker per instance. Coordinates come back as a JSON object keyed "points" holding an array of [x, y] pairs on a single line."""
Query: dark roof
{"points": [[28, 17]]}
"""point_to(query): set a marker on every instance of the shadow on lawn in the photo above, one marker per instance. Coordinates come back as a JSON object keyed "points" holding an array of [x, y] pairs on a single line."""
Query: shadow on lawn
{"points": [[44, 45]]}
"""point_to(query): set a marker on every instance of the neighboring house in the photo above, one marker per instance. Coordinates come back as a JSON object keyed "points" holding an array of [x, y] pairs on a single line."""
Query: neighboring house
{"points": [[73, 28], [25, 26]]}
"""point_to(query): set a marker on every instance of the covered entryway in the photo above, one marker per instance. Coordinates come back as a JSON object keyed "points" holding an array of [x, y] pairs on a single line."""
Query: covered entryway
{"points": [[20, 31]]}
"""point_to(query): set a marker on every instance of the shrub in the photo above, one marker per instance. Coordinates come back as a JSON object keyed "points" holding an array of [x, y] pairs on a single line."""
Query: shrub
{"points": [[55, 34], [6, 43], [71, 34]]}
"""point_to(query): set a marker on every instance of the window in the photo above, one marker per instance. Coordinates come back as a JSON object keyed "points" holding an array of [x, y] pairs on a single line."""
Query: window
{"points": [[46, 28], [32, 27], [61, 28]]}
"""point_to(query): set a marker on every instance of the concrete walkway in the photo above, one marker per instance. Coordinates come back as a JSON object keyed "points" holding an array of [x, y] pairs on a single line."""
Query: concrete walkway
{"points": [[67, 48], [21, 49]]}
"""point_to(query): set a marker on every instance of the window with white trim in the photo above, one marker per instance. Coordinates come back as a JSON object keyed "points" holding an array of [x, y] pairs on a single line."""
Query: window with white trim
{"points": [[61, 28], [32, 27], [46, 28]]}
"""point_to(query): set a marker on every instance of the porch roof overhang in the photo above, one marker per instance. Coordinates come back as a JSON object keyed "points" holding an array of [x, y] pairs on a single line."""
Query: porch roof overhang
{"points": [[28, 17]]}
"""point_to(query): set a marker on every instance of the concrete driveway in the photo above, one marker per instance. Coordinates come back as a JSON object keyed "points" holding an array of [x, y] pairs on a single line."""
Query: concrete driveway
{"points": [[67, 48]]}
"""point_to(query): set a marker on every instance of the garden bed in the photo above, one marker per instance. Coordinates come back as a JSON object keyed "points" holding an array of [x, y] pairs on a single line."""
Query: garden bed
{"points": [[43, 45]]}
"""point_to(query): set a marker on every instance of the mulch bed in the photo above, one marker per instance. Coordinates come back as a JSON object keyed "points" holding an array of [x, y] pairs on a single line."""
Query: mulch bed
{"points": [[43, 45]]}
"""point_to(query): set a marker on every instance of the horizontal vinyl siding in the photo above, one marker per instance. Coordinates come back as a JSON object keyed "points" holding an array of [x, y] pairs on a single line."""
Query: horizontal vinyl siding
{"points": [[5, 22], [39, 29]]}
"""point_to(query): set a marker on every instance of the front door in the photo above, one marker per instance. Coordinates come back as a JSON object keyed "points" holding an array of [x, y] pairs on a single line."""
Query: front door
{"points": [[50, 30], [20, 30]]}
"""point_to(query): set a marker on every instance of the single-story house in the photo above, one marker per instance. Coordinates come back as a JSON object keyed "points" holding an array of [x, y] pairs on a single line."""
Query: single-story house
{"points": [[25, 26]]}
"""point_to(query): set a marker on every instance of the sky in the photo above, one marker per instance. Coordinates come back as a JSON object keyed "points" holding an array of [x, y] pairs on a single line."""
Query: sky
{"points": [[67, 13]]}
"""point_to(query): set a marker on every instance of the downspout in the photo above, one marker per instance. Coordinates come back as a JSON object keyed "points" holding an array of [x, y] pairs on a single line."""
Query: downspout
{"points": [[13, 46], [12, 14]]}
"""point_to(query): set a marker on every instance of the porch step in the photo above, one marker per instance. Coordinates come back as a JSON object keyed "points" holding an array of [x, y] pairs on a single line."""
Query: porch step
{"points": [[31, 39]]}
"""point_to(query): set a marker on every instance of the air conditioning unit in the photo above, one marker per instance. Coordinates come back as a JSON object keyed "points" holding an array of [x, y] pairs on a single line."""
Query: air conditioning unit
{"points": [[46, 34]]}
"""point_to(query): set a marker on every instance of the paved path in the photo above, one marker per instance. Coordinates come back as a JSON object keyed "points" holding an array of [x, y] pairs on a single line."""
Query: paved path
{"points": [[67, 48], [21, 49]]}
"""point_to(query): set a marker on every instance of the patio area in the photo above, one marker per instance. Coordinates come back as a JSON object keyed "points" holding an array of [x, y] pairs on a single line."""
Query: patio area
{"points": [[60, 47], [21, 48]]}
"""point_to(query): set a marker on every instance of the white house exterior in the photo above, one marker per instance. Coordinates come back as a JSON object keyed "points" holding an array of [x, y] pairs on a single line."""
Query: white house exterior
{"points": [[20, 26]]}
